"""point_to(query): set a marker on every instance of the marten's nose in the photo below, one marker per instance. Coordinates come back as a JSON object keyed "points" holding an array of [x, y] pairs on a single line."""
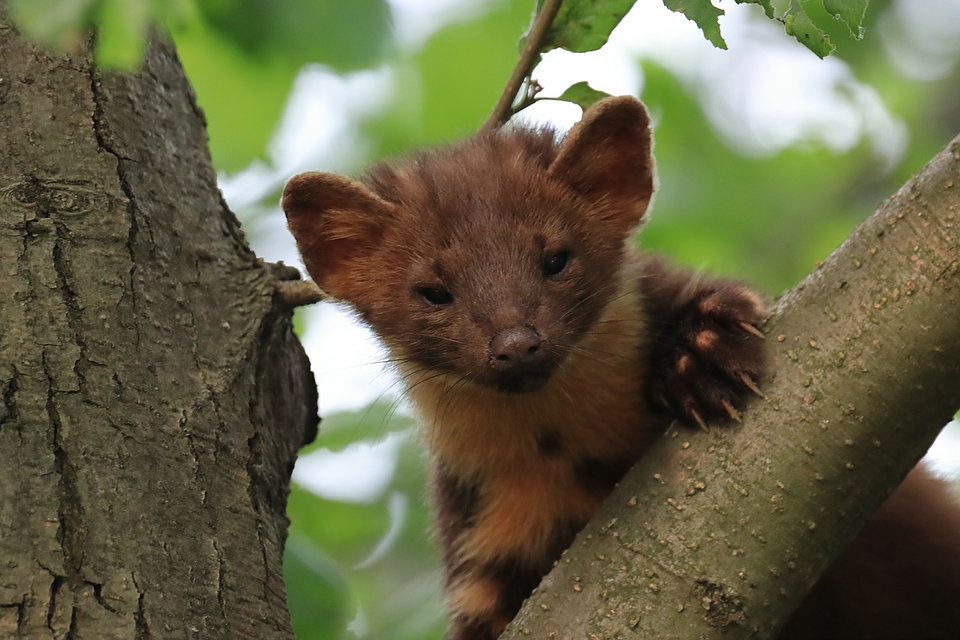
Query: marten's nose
{"points": [[515, 346]]}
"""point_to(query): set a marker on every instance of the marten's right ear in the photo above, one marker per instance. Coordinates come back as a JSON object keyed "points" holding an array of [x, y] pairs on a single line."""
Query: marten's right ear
{"points": [[336, 222]]}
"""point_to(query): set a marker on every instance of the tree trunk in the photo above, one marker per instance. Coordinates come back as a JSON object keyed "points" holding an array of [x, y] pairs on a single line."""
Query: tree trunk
{"points": [[721, 534], [153, 393]]}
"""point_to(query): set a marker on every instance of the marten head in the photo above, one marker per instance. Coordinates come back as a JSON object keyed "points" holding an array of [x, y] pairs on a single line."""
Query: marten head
{"points": [[490, 258]]}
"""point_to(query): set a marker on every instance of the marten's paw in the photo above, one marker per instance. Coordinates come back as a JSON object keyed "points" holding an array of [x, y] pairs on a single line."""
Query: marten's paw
{"points": [[710, 353]]}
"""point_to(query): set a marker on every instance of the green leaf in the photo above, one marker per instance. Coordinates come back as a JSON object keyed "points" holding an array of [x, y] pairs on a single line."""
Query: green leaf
{"points": [[851, 12], [799, 25], [767, 7], [585, 25], [704, 14], [582, 94]]}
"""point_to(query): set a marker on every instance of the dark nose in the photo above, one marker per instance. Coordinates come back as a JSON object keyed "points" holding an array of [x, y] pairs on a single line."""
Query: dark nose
{"points": [[515, 346]]}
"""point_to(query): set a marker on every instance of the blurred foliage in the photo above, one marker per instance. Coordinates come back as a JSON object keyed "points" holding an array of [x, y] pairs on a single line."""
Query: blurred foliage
{"points": [[767, 220], [317, 589], [344, 35], [121, 24], [371, 424], [242, 56], [434, 99], [393, 592]]}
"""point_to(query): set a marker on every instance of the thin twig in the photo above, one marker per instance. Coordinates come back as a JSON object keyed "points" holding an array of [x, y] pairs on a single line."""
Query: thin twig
{"points": [[523, 69], [530, 91], [299, 293]]}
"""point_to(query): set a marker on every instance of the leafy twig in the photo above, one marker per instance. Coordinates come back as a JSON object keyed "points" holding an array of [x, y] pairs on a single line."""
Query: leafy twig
{"points": [[523, 69]]}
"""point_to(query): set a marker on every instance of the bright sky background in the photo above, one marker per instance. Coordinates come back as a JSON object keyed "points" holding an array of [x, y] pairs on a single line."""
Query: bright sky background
{"points": [[764, 93]]}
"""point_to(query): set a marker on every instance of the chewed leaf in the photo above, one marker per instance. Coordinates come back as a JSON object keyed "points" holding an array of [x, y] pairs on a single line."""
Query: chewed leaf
{"points": [[585, 25], [799, 25], [851, 12], [704, 14], [767, 7], [582, 94]]}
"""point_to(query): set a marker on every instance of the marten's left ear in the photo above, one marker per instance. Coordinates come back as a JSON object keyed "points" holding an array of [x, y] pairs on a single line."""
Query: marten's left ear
{"points": [[607, 157]]}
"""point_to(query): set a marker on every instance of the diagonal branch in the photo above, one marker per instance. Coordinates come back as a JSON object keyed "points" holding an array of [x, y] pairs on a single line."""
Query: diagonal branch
{"points": [[722, 534]]}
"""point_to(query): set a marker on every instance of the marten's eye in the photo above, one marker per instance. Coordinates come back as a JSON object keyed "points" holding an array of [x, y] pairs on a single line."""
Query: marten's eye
{"points": [[436, 295], [555, 263]]}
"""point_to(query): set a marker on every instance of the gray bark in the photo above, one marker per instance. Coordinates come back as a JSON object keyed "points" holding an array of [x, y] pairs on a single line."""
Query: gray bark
{"points": [[153, 393], [721, 534]]}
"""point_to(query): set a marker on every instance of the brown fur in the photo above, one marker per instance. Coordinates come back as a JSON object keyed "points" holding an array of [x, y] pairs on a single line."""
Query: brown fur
{"points": [[540, 351], [899, 579]]}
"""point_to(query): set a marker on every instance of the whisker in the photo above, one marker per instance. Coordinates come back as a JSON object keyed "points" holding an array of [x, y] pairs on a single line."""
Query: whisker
{"points": [[451, 340], [591, 356], [583, 300]]}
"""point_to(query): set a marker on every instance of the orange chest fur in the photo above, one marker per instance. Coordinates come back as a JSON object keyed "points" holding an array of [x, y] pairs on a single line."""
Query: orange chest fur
{"points": [[543, 462]]}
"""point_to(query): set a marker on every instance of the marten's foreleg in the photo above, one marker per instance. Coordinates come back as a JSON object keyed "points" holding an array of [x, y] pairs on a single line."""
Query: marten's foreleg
{"points": [[704, 347]]}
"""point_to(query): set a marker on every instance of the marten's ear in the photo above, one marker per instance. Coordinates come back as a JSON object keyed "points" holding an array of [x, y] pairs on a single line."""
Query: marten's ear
{"points": [[607, 157], [336, 221]]}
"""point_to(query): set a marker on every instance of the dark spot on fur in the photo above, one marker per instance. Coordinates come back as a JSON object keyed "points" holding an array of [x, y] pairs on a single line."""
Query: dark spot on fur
{"points": [[518, 578], [600, 476], [472, 630], [458, 502], [548, 441]]}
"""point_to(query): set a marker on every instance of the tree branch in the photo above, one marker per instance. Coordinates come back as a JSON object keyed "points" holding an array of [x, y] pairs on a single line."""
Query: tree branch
{"points": [[722, 534], [538, 33]]}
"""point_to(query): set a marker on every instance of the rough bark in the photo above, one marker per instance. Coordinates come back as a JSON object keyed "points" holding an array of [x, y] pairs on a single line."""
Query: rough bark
{"points": [[153, 393], [721, 534]]}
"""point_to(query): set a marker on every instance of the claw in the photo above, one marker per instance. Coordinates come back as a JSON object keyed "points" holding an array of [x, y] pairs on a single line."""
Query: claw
{"points": [[749, 328], [730, 410], [696, 416], [750, 384]]}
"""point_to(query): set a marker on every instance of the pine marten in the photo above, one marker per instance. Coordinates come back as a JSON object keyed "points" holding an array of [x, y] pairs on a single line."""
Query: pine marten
{"points": [[540, 350]]}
